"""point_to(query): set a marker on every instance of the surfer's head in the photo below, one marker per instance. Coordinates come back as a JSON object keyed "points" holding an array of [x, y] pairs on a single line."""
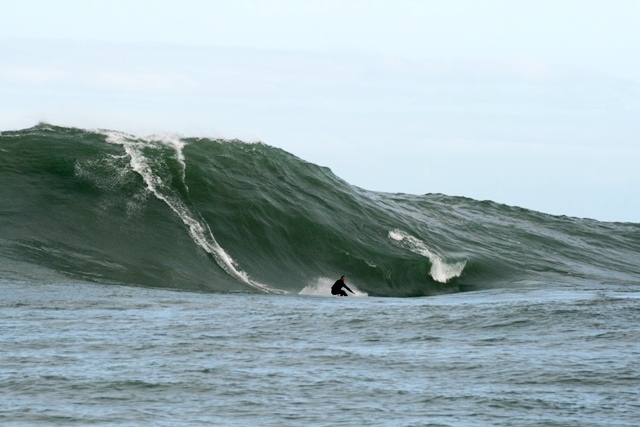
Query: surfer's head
{"points": [[343, 277]]}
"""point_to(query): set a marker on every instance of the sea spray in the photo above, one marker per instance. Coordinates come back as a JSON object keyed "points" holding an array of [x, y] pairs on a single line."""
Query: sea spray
{"points": [[441, 271], [322, 287]]}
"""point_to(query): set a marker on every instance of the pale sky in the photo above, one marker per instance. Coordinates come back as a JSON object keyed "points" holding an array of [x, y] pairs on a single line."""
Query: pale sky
{"points": [[529, 103]]}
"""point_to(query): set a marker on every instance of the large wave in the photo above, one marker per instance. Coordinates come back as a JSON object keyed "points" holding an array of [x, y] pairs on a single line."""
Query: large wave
{"points": [[219, 215]]}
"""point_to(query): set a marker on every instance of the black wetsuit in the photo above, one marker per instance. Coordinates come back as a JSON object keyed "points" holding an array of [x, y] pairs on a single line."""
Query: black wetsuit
{"points": [[336, 289]]}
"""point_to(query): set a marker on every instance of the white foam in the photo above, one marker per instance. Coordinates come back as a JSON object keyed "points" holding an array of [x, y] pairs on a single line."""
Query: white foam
{"points": [[321, 287], [178, 145], [441, 271], [198, 230]]}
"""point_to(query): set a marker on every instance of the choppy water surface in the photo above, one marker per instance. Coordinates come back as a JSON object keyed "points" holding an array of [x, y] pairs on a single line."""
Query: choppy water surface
{"points": [[86, 354]]}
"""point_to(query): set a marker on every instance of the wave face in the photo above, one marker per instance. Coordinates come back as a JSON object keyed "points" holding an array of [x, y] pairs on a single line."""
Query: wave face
{"points": [[223, 216]]}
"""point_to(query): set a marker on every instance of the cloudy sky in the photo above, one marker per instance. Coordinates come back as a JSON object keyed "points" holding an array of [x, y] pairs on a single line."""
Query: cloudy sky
{"points": [[529, 103]]}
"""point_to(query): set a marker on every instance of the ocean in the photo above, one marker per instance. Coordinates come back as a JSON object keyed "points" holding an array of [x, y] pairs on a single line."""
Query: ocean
{"points": [[177, 281]]}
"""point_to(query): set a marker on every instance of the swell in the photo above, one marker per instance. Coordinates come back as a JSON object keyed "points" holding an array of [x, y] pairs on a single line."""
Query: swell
{"points": [[224, 215]]}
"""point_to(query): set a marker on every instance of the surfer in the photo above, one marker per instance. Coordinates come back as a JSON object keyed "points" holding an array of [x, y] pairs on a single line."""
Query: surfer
{"points": [[336, 289]]}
